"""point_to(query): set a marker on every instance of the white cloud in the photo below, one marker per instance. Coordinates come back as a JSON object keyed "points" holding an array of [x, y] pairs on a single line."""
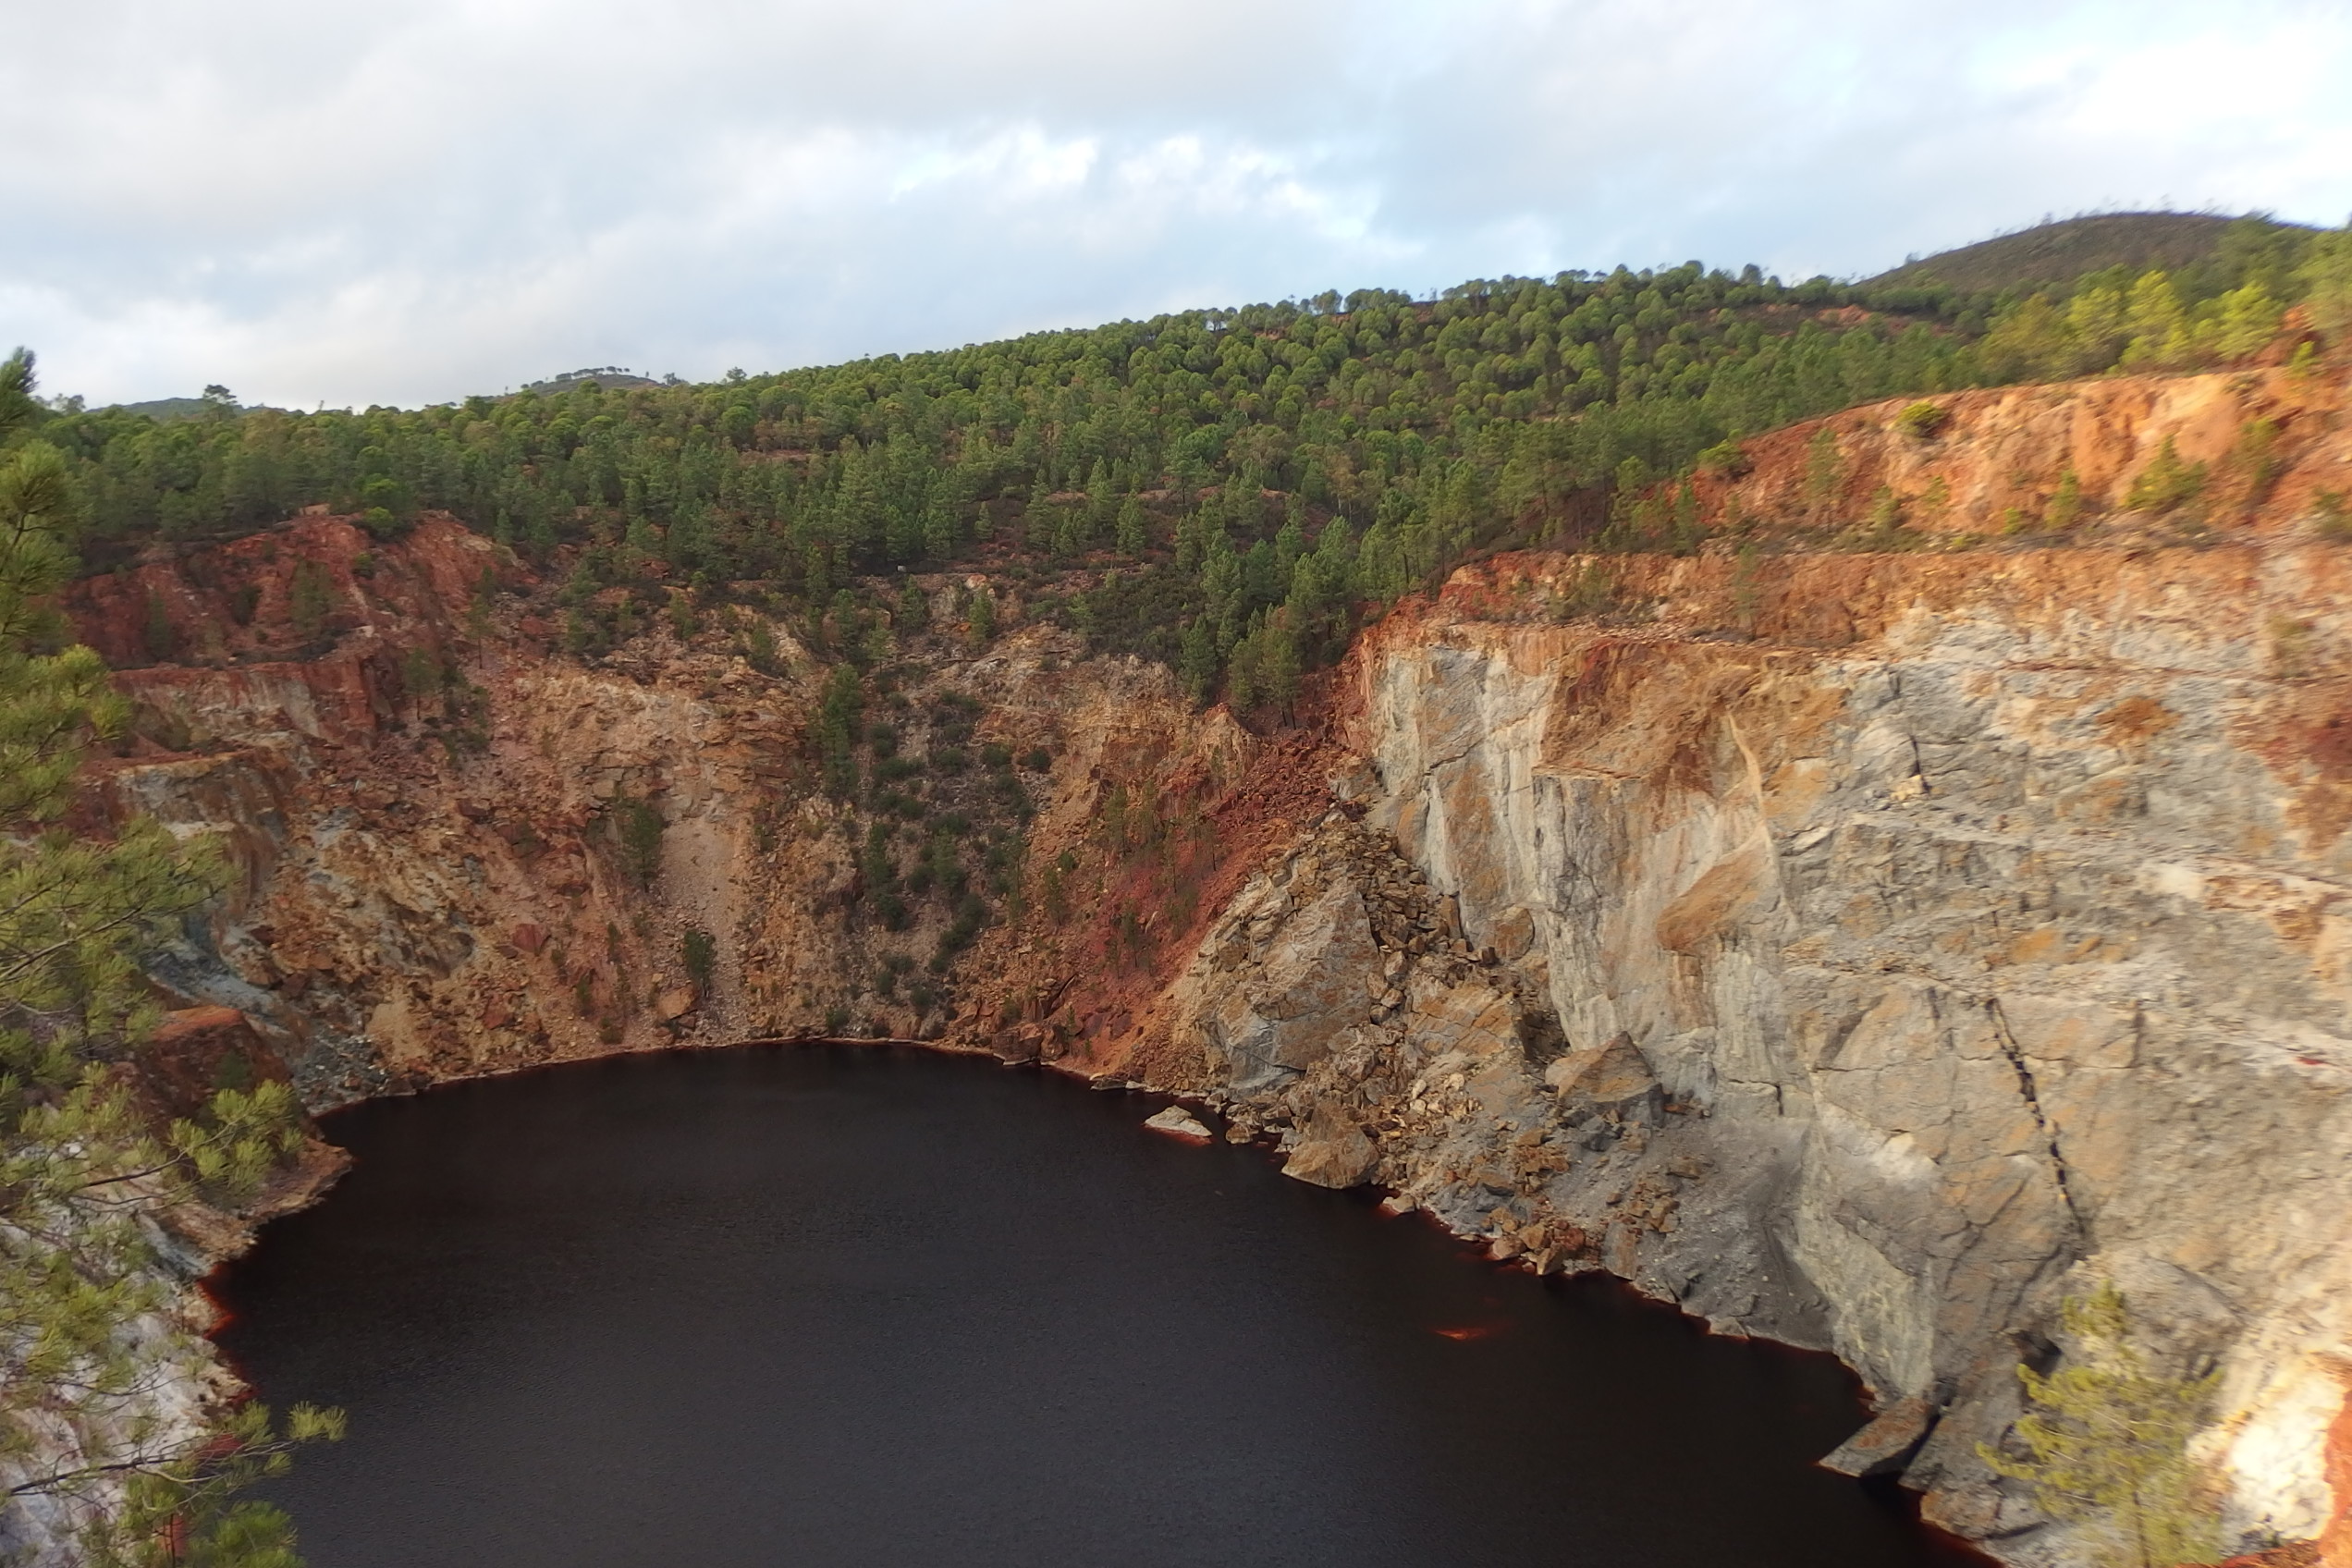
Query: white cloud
{"points": [[406, 203]]}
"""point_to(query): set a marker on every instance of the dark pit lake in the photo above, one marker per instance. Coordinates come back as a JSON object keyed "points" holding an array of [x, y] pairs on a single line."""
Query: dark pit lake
{"points": [[800, 1307]]}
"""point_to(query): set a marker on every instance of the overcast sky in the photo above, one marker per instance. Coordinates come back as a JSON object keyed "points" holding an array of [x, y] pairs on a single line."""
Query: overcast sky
{"points": [[406, 202]]}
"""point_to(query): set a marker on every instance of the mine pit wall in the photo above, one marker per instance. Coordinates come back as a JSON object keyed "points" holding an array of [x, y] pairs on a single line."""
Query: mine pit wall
{"points": [[1860, 952], [1902, 985], [411, 905]]}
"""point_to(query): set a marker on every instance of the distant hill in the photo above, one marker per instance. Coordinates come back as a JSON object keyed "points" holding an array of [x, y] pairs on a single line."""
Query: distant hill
{"points": [[164, 411], [167, 409], [606, 376], [2055, 252]]}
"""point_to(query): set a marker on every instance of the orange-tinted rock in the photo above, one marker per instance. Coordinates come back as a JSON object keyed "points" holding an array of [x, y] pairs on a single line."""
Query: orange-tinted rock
{"points": [[1995, 466], [2295, 1554], [1331, 1153], [2334, 1546]]}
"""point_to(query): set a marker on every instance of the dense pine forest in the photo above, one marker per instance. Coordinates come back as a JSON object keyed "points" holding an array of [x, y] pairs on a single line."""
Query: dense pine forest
{"points": [[1221, 490]]}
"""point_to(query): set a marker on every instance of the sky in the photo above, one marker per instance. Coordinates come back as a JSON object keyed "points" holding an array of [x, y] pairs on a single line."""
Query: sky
{"points": [[410, 202]]}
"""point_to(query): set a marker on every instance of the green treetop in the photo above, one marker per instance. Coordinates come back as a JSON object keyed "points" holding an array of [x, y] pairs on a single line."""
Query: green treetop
{"points": [[2107, 1445]]}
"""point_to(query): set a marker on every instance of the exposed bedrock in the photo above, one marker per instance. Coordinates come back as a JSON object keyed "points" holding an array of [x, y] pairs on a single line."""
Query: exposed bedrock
{"points": [[1871, 996]]}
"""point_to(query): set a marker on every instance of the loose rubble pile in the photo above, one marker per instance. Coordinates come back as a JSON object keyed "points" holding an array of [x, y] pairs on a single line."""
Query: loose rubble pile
{"points": [[1342, 1010]]}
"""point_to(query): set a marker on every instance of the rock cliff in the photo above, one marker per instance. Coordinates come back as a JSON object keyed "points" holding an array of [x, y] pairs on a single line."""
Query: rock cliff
{"points": [[1861, 946], [1870, 997]]}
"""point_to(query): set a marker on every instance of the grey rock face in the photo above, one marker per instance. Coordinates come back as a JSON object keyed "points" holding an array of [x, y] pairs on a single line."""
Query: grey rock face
{"points": [[1873, 1000]]}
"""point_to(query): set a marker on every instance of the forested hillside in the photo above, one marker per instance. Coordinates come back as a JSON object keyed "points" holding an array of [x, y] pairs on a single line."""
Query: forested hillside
{"points": [[2182, 244], [1219, 489]]}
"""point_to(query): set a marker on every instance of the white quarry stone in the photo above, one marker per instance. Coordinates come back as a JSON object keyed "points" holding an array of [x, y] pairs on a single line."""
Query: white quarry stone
{"points": [[1179, 1122]]}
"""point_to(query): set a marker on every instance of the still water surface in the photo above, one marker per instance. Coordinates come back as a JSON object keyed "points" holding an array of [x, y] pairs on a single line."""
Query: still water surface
{"points": [[833, 1307]]}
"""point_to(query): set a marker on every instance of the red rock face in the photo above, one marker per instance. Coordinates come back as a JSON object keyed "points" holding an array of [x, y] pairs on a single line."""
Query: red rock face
{"points": [[310, 629], [432, 881], [273, 595]]}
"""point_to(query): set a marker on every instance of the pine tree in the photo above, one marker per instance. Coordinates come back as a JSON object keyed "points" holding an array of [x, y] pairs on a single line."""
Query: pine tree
{"points": [[1196, 665], [86, 1339], [2107, 1444], [2326, 272], [2065, 503], [1133, 538], [2158, 325], [1824, 470], [1278, 663], [2166, 483], [310, 598]]}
